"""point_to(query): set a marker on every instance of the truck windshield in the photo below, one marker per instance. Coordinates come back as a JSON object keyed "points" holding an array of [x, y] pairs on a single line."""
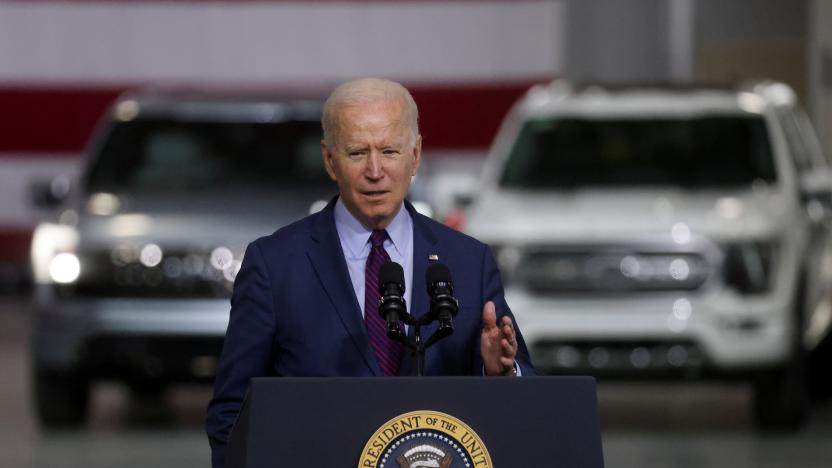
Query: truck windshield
{"points": [[569, 153], [163, 155]]}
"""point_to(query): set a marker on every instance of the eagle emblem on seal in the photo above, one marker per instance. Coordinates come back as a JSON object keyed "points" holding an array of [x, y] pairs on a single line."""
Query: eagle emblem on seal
{"points": [[425, 456]]}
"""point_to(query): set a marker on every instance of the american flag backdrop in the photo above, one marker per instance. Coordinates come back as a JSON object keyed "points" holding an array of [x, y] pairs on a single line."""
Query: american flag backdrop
{"points": [[63, 61]]}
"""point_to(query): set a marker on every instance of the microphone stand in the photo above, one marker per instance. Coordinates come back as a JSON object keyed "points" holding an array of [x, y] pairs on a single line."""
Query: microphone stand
{"points": [[443, 307], [416, 345]]}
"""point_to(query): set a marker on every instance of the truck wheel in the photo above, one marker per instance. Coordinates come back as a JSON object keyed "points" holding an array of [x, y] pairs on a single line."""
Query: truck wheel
{"points": [[781, 397], [61, 400], [820, 376]]}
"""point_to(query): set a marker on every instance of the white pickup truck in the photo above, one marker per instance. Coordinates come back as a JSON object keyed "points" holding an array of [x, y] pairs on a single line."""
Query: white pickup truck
{"points": [[647, 231]]}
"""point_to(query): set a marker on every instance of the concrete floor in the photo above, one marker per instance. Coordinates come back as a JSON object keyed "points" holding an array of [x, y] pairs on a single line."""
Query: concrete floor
{"points": [[644, 425]]}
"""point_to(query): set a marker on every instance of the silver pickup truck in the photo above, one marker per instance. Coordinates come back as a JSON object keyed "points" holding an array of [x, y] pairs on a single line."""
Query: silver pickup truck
{"points": [[134, 273]]}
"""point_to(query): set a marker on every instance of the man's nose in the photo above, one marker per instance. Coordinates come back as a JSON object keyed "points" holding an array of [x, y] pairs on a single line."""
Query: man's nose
{"points": [[374, 170]]}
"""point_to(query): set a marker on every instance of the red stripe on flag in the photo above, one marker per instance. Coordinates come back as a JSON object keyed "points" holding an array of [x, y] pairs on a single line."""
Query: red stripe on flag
{"points": [[465, 116], [14, 244], [54, 119]]}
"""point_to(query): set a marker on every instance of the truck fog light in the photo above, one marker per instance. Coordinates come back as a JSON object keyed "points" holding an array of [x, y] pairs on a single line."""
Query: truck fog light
{"points": [[64, 268], [221, 258], [679, 269], [630, 266], [680, 232], [682, 309], [568, 356], [599, 357], [230, 272], [151, 255], [640, 357], [677, 356]]}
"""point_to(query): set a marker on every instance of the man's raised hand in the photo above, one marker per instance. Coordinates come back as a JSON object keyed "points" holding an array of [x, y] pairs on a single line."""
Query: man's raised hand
{"points": [[498, 345]]}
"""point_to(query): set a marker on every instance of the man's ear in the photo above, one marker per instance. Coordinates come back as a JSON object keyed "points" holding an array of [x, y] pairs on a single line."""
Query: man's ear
{"points": [[417, 154], [327, 154]]}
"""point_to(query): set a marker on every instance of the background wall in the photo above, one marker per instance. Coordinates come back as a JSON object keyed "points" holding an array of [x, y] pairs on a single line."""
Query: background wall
{"points": [[63, 61], [617, 41], [752, 38], [820, 69]]}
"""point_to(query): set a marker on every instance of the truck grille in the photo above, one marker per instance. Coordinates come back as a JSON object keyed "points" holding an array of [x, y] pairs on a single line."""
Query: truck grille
{"points": [[617, 357], [178, 275], [548, 271]]}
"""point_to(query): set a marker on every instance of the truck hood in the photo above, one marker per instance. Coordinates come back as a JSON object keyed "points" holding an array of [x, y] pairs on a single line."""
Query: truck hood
{"points": [[185, 220], [622, 215]]}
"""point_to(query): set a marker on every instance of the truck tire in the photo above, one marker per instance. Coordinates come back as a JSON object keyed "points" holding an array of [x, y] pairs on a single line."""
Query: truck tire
{"points": [[61, 399], [781, 396], [820, 371]]}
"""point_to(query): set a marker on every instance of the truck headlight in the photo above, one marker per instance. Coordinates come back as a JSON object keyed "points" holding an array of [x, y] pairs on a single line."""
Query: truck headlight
{"points": [[749, 267], [508, 258], [64, 268], [53, 258]]}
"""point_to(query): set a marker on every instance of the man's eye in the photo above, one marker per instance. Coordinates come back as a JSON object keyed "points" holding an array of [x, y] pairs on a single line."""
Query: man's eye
{"points": [[391, 152]]}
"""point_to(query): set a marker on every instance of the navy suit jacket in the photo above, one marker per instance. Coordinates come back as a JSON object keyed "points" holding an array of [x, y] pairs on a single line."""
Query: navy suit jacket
{"points": [[294, 312]]}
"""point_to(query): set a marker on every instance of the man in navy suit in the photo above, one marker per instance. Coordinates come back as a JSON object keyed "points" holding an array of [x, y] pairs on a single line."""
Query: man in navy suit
{"points": [[298, 307]]}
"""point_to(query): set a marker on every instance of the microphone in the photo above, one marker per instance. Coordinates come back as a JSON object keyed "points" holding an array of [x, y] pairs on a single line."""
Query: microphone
{"points": [[392, 305], [443, 305]]}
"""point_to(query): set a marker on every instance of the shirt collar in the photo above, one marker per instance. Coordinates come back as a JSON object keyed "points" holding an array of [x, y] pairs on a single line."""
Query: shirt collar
{"points": [[355, 236]]}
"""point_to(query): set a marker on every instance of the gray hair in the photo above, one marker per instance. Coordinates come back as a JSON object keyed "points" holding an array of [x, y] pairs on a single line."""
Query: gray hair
{"points": [[365, 90]]}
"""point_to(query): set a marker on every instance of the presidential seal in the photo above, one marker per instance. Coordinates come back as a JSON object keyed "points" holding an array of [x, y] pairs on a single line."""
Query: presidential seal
{"points": [[425, 439]]}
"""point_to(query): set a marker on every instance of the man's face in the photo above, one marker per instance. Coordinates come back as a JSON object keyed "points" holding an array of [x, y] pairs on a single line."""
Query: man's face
{"points": [[372, 158]]}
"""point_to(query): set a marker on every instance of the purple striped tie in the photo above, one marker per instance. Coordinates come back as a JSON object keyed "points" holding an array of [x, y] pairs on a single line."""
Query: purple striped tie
{"points": [[388, 352]]}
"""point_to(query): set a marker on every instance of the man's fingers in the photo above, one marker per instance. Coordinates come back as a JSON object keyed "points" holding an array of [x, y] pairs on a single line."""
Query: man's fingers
{"points": [[507, 363], [508, 331], [489, 316], [508, 348]]}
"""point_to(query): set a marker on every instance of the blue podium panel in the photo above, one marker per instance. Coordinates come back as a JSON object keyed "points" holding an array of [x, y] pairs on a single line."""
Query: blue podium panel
{"points": [[445, 422]]}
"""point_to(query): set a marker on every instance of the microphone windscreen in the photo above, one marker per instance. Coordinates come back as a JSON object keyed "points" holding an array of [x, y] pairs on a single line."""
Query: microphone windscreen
{"points": [[391, 272], [437, 272]]}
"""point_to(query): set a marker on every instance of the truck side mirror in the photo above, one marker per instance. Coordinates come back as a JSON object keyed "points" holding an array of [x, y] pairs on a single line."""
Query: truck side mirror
{"points": [[463, 199], [49, 193], [816, 193]]}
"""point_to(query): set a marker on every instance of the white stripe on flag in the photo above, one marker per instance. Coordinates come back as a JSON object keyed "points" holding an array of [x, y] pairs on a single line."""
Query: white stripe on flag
{"points": [[283, 42]]}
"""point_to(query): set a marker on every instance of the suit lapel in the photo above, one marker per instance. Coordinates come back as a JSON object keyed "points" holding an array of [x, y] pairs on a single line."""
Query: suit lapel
{"points": [[328, 261], [424, 244]]}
